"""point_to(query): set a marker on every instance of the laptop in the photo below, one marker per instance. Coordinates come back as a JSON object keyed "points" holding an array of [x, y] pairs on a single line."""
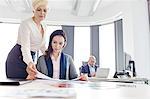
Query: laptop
{"points": [[102, 72]]}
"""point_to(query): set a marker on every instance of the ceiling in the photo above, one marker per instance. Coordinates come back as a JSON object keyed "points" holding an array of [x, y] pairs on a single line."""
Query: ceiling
{"points": [[58, 8]]}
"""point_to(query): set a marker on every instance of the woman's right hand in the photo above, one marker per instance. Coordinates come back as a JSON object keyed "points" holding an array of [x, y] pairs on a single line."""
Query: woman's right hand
{"points": [[31, 77], [31, 70], [83, 77]]}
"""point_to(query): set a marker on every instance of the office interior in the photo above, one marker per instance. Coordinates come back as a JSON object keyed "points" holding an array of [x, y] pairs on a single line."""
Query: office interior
{"points": [[130, 19]]}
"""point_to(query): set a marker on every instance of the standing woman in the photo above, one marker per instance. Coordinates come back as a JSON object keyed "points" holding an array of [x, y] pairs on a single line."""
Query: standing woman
{"points": [[31, 38]]}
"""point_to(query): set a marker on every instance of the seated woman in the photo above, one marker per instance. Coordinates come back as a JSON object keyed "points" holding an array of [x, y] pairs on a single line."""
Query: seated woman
{"points": [[55, 63]]}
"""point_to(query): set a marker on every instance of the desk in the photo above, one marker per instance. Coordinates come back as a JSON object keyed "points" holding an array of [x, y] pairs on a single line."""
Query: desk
{"points": [[47, 89]]}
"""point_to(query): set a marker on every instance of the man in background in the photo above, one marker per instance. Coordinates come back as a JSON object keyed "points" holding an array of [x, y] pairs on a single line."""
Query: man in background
{"points": [[90, 68]]}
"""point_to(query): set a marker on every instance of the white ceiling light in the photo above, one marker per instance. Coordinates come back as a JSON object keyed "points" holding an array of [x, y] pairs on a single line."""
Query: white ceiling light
{"points": [[28, 5], [85, 7], [97, 2], [75, 6], [19, 5], [8, 2]]}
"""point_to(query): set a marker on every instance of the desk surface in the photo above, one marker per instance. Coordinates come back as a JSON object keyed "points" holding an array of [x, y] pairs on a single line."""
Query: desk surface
{"points": [[54, 89]]}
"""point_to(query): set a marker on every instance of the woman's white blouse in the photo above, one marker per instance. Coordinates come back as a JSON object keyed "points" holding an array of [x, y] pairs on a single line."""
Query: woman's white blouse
{"points": [[56, 66], [30, 39]]}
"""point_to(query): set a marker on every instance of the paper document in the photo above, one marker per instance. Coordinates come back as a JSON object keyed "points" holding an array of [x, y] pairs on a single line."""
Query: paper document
{"points": [[42, 76], [76, 79], [38, 93]]}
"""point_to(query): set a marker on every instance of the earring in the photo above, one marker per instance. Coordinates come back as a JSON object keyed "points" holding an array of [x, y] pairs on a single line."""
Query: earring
{"points": [[64, 45]]}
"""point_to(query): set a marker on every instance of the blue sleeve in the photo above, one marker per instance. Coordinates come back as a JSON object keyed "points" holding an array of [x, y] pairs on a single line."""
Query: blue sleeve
{"points": [[84, 69]]}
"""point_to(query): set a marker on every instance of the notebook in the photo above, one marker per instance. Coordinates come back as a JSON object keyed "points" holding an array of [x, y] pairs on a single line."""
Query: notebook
{"points": [[14, 82], [102, 72]]}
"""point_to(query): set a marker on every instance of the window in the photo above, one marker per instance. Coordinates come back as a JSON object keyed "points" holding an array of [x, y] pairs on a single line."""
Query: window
{"points": [[8, 39], [107, 47], [81, 45]]}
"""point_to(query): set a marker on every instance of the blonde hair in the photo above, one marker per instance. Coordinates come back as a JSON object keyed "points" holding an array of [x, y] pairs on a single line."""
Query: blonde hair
{"points": [[37, 3]]}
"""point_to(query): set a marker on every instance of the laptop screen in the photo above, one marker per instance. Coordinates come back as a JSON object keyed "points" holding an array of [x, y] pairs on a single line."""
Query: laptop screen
{"points": [[102, 72]]}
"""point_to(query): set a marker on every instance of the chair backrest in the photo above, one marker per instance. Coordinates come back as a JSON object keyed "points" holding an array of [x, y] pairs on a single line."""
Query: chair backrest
{"points": [[80, 68], [84, 63]]}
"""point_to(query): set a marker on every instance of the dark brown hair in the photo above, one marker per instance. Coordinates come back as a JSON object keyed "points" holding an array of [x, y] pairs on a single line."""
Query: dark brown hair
{"points": [[55, 33]]}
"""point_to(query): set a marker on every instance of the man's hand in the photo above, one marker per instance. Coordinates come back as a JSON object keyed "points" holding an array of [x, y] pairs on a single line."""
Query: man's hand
{"points": [[93, 74]]}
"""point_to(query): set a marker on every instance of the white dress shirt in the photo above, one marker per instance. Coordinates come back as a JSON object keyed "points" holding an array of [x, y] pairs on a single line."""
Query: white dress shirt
{"points": [[92, 70], [56, 66], [30, 39]]}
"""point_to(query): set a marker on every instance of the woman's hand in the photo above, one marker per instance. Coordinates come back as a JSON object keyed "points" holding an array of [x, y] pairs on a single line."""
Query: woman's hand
{"points": [[83, 77], [31, 70], [31, 77]]}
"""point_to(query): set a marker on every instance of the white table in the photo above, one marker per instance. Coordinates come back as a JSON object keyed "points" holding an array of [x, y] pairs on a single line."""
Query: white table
{"points": [[46, 89]]}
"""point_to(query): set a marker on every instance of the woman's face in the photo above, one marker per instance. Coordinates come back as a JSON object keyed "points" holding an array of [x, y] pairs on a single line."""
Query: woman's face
{"points": [[40, 12], [58, 43]]}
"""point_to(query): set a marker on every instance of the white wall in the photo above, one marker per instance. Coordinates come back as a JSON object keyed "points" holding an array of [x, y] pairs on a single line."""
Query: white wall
{"points": [[141, 38], [135, 29], [136, 35]]}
